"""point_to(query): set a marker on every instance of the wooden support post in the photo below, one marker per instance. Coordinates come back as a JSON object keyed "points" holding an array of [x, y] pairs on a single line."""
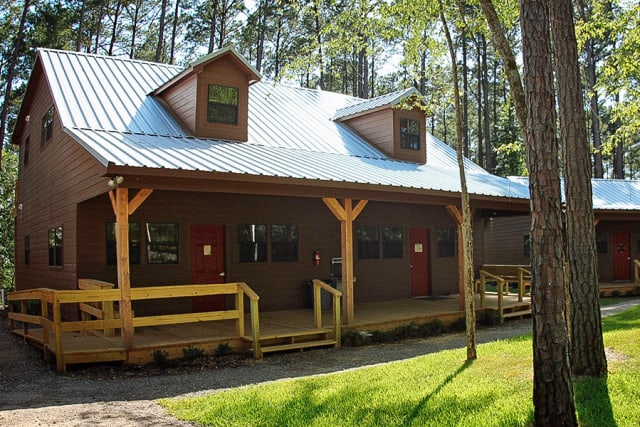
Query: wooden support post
{"points": [[346, 214], [124, 276], [457, 216], [57, 331]]}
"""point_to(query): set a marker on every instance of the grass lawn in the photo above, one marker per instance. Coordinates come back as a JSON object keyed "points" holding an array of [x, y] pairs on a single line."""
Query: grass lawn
{"points": [[439, 389]]}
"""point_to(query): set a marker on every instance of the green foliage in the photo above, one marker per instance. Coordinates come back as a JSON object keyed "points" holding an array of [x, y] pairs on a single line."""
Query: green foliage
{"points": [[160, 357], [8, 175], [432, 390], [192, 353], [223, 349], [510, 160]]}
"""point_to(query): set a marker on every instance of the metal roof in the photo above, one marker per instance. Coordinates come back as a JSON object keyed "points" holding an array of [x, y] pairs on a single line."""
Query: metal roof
{"points": [[360, 106], [608, 194], [104, 103]]}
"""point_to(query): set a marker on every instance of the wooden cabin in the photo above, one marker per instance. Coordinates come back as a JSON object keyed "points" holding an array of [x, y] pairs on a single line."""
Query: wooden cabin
{"points": [[217, 177]]}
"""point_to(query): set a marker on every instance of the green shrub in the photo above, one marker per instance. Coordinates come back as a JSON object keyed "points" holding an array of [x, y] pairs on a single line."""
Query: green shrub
{"points": [[488, 318], [458, 325], [223, 349], [160, 357], [432, 328], [192, 353]]}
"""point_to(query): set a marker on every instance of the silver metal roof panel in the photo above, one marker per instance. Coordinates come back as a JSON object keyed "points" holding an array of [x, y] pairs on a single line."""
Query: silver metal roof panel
{"points": [[362, 105]]}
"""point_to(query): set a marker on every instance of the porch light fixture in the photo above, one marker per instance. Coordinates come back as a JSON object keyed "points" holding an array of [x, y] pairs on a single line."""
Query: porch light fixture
{"points": [[115, 181]]}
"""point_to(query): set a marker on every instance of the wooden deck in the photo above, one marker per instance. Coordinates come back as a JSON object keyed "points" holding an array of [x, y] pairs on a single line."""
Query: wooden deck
{"points": [[279, 331]]}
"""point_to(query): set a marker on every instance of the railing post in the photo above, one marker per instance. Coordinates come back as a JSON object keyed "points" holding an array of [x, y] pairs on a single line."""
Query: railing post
{"points": [[255, 329], [483, 288], [240, 307], [336, 319], [44, 313], [57, 329], [317, 305], [501, 283]]}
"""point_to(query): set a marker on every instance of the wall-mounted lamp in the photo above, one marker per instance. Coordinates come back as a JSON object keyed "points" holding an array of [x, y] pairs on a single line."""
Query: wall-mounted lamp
{"points": [[27, 118], [115, 181]]}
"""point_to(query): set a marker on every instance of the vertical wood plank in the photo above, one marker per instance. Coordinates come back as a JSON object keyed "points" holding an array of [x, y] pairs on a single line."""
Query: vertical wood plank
{"points": [[124, 275], [457, 216], [347, 263], [317, 306], [57, 329]]}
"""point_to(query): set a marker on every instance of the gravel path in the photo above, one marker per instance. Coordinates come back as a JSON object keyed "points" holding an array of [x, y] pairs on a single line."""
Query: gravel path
{"points": [[32, 394]]}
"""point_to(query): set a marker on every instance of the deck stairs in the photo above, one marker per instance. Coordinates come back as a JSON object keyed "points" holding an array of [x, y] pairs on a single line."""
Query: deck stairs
{"points": [[517, 311], [298, 340]]}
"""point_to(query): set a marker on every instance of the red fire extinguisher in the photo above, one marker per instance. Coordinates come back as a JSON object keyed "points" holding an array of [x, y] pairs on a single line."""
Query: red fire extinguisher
{"points": [[316, 257]]}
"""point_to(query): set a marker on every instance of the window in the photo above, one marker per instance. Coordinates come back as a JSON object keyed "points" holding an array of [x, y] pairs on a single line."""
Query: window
{"points": [[284, 243], [409, 134], [27, 250], [25, 152], [162, 243], [55, 246], [526, 242], [222, 106], [134, 243], [601, 243], [391, 242], [368, 242], [252, 243], [47, 127], [446, 242]]}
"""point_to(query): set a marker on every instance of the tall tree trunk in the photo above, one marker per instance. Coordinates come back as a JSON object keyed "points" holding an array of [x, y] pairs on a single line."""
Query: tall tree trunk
{"points": [[11, 69], [83, 10], [509, 61], [114, 29], [598, 170], [212, 26], [160, 45], [318, 30], [465, 95], [587, 347], [486, 111], [174, 31], [466, 227], [262, 29], [481, 136], [134, 30], [552, 382], [98, 26]]}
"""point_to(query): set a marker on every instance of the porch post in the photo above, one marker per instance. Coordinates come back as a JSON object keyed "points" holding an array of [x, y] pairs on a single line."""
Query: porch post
{"points": [[346, 215], [457, 216], [124, 277]]}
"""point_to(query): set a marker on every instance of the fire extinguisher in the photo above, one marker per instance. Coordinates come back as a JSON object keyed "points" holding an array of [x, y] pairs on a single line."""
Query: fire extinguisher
{"points": [[316, 257]]}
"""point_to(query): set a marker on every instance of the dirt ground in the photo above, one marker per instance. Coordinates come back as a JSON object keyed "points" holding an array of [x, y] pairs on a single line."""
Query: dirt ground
{"points": [[34, 394]]}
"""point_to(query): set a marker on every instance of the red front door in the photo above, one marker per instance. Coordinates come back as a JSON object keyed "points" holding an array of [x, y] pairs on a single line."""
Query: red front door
{"points": [[621, 256], [419, 259], [207, 263]]}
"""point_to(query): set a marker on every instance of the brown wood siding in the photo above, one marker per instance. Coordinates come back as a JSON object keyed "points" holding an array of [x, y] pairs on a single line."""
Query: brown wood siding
{"points": [[376, 128], [58, 175], [226, 72], [504, 240], [181, 100], [281, 285], [415, 156]]}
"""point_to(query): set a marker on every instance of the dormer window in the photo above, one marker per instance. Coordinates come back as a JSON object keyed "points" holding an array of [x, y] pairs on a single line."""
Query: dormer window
{"points": [[409, 134], [222, 105]]}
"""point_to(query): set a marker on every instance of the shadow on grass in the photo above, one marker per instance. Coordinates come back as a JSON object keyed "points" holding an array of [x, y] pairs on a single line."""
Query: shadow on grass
{"points": [[592, 402], [420, 406]]}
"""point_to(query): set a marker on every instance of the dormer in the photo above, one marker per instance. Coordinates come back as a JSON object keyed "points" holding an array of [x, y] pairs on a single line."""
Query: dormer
{"points": [[211, 97], [393, 123]]}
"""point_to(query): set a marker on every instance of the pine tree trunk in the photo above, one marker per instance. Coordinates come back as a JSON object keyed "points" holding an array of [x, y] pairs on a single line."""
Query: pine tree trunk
{"points": [[160, 44], [552, 382], [13, 61], [174, 31], [587, 347]]}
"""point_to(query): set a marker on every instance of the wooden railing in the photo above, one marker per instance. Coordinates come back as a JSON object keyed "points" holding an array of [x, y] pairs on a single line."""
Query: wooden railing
{"points": [[318, 287], [503, 275], [95, 320], [636, 271]]}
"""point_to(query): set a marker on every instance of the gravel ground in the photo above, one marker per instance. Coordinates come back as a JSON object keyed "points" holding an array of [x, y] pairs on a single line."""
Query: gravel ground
{"points": [[33, 394]]}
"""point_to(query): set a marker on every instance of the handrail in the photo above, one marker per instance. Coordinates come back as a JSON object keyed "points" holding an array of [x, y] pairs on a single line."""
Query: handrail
{"points": [[636, 271], [524, 278], [101, 295], [318, 286], [500, 281]]}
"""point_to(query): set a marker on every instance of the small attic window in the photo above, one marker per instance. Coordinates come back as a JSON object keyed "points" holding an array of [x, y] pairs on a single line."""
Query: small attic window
{"points": [[409, 134], [222, 105], [47, 127]]}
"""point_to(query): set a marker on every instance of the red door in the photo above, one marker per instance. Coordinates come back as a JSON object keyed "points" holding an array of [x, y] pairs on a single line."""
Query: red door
{"points": [[207, 263], [419, 259], [621, 256]]}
